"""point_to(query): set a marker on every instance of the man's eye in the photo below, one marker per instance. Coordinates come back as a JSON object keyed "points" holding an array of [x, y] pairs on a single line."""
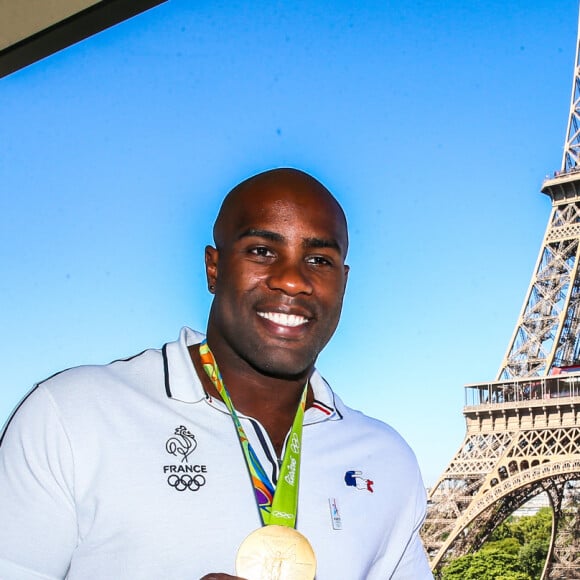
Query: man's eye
{"points": [[318, 261], [262, 252]]}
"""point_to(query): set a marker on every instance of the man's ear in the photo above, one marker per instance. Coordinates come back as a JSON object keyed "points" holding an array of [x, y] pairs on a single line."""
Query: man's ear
{"points": [[346, 271], [211, 267]]}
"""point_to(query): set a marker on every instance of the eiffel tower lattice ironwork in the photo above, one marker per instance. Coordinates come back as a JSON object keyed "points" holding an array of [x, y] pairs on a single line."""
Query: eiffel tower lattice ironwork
{"points": [[523, 429]]}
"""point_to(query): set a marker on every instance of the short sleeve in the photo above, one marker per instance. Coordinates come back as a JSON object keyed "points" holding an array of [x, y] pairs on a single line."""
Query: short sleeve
{"points": [[39, 531], [413, 564], [403, 556]]}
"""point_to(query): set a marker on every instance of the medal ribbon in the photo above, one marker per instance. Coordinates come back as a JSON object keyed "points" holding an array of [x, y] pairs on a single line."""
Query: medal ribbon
{"points": [[277, 505]]}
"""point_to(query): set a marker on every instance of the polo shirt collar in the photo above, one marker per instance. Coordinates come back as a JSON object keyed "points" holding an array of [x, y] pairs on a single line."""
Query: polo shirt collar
{"points": [[183, 384], [181, 380]]}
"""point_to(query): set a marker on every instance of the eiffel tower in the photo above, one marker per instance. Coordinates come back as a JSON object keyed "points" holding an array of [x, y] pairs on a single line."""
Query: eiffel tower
{"points": [[523, 429]]}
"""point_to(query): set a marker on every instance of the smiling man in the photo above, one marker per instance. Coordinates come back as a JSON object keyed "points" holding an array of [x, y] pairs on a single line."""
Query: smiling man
{"points": [[226, 452]]}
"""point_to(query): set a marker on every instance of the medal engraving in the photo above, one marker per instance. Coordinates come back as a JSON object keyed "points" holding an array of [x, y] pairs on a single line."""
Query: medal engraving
{"points": [[276, 553]]}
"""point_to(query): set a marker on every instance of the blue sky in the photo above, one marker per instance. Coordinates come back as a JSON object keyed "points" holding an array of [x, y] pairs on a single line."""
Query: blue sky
{"points": [[434, 124]]}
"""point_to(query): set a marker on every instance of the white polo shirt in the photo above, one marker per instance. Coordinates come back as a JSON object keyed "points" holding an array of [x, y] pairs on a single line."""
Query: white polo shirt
{"points": [[130, 471]]}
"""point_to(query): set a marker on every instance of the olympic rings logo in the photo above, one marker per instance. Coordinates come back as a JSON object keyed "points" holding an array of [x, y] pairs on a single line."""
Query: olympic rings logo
{"points": [[186, 481], [285, 515]]}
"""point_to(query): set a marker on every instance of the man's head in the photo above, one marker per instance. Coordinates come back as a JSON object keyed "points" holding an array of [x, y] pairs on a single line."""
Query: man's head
{"points": [[277, 272]]}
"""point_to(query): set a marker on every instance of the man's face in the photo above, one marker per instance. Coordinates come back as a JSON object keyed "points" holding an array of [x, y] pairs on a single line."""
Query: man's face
{"points": [[279, 277]]}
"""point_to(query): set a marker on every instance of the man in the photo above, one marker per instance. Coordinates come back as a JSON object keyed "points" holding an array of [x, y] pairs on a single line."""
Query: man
{"points": [[139, 470]]}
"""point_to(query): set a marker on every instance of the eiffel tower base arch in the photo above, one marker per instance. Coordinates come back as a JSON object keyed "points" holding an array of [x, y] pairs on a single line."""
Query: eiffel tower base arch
{"points": [[494, 473]]}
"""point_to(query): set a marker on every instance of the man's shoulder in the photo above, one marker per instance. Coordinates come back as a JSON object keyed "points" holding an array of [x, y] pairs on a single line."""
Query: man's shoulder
{"points": [[147, 372], [350, 416], [97, 373], [375, 432], [365, 421]]}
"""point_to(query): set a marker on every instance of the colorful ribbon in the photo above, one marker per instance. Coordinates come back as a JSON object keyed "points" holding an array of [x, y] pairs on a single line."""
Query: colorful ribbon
{"points": [[277, 505]]}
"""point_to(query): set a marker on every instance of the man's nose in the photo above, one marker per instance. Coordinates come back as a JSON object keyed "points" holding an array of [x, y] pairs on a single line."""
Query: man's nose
{"points": [[291, 277]]}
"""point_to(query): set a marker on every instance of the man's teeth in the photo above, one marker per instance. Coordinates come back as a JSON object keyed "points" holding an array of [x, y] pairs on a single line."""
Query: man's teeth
{"points": [[283, 319]]}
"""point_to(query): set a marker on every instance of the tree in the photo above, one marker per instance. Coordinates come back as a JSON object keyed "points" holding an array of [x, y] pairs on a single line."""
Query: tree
{"points": [[485, 565], [532, 557], [516, 550]]}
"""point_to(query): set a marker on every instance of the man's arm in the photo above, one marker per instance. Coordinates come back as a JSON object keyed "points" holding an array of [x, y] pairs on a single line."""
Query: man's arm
{"points": [[414, 564], [39, 529], [404, 548]]}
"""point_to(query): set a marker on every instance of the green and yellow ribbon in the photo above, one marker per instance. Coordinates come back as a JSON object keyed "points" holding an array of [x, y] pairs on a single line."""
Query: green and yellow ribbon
{"points": [[277, 505]]}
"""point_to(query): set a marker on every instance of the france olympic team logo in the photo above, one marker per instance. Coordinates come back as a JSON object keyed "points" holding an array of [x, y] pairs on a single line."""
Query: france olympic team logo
{"points": [[184, 476]]}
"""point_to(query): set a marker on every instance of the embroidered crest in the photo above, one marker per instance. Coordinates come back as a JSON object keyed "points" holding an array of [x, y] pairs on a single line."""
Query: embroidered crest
{"points": [[356, 479]]}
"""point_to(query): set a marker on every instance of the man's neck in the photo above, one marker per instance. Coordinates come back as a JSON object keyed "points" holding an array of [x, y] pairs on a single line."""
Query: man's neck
{"points": [[273, 401]]}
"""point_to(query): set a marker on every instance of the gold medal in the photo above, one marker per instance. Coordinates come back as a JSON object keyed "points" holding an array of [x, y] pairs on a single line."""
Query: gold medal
{"points": [[276, 553]]}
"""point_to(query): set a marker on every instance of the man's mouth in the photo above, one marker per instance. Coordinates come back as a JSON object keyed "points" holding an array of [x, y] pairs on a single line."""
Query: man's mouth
{"points": [[281, 319]]}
